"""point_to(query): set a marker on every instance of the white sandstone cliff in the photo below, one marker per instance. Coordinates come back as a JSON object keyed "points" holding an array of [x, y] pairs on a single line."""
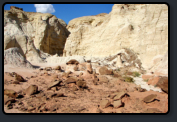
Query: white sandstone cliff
{"points": [[41, 31], [143, 28]]}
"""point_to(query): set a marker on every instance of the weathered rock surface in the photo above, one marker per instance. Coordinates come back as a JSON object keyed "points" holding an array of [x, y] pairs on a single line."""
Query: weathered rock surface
{"points": [[142, 28], [14, 57], [81, 84], [149, 98], [19, 78], [10, 93], [103, 79], [32, 89], [117, 103], [58, 95], [71, 67], [57, 68], [54, 83], [153, 80], [72, 61], [163, 84], [160, 65], [105, 103], [70, 80], [105, 71], [14, 7], [48, 34], [48, 68], [86, 75], [64, 60], [89, 68], [7, 100], [119, 95]]}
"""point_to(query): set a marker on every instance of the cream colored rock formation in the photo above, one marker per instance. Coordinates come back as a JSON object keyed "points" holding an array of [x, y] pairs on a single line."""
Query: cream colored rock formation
{"points": [[160, 64], [142, 28], [46, 31], [14, 57]]}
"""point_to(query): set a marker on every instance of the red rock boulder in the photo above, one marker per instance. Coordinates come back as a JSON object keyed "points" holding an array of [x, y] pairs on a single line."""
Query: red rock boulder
{"points": [[163, 84], [104, 71]]}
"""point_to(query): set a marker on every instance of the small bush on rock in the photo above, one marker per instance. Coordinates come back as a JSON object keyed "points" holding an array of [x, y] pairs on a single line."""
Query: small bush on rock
{"points": [[118, 69], [129, 79], [136, 74]]}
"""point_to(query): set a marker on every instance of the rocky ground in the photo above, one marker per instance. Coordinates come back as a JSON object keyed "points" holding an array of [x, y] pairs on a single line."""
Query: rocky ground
{"points": [[82, 88], [95, 64]]}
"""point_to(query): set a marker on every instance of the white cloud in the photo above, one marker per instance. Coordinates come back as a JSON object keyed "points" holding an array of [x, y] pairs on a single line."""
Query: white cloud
{"points": [[44, 8]]}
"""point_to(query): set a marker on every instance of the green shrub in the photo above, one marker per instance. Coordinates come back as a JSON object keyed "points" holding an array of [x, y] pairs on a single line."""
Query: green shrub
{"points": [[129, 79], [146, 80], [118, 69], [136, 74]]}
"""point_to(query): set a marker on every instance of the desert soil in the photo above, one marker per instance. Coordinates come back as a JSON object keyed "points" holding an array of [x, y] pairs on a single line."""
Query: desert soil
{"points": [[69, 98]]}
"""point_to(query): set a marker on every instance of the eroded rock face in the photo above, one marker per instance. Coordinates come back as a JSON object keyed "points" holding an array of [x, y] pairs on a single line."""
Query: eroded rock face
{"points": [[142, 28], [48, 32], [161, 64], [14, 57]]}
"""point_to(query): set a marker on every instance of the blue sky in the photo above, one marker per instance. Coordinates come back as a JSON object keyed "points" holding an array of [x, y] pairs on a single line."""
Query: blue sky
{"points": [[65, 12]]}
